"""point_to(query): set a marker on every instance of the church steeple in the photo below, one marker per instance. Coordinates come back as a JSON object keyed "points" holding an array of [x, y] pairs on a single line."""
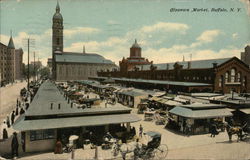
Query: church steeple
{"points": [[57, 8], [11, 43]]}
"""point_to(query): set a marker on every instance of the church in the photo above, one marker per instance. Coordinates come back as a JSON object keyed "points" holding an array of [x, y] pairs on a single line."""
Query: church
{"points": [[71, 65]]}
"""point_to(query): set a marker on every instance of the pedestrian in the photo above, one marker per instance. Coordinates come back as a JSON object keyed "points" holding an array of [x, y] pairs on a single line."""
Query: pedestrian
{"points": [[12, 117], [27, 105], [58, 147], [22, 111], [140, 130], [5, 134], [137, 149], [17, 111], [8, 121], [14, 145], [213, 130]]}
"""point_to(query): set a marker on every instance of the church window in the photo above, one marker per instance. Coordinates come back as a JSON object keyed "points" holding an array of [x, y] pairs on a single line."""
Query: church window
{"points": [[232, 75], [57, 41], [221, 81], [244, 82], [238, 77], [226, 77]]}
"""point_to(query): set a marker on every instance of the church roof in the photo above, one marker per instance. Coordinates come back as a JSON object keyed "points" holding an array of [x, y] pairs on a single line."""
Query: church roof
{"points": [[72, 57], [197, 64], [11, 43], [57, 15], [135, 45]]}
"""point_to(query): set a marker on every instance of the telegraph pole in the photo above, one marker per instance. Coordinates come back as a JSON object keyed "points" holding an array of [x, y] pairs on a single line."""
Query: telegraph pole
{"points": [[28, 64], [34, 66], [30, 42]]}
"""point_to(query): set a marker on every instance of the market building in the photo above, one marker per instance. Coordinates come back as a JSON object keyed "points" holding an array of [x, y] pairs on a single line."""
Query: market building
{"points": [[198, 116], [214, 75], [52, 116], [71, 65]]}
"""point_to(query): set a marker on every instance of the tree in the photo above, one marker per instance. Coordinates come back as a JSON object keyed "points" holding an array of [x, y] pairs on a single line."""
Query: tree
{"points": [[44, 72]]}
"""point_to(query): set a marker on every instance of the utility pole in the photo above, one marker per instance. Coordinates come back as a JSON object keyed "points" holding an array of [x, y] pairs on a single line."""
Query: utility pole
{"points": [[29, 42], [34, 66]]}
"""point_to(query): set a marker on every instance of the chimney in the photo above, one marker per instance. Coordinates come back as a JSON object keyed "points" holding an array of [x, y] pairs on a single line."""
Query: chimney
{"points": [[59, 105], [214, 65], [189, 65], [51, 106]]}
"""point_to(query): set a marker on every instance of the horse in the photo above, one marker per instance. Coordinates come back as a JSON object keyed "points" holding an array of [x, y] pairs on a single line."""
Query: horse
{"points": [[237, 130]]}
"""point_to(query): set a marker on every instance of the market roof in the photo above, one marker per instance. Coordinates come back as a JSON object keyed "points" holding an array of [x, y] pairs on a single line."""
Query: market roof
{"points": [[208, 63], [201, 114], [48, 93], [24, 125], [72, 57], [199, 106], [163, 82], [245, 110]]}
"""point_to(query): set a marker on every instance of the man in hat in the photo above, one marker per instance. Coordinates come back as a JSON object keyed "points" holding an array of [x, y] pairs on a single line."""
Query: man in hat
{"points": [[14, 145]]}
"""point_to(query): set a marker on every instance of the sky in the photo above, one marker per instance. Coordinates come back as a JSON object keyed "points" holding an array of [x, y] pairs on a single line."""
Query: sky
{"points": [[110, 27]]}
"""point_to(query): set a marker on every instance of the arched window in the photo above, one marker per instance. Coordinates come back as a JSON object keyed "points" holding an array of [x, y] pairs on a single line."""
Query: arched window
{"points": [[244, 82], [232, 75], [238, 77], [226, 77]]}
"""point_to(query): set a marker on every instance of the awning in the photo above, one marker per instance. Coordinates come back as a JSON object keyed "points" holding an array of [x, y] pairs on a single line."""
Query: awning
{"points": [[200, 114], [245, 110], [25, 125]]}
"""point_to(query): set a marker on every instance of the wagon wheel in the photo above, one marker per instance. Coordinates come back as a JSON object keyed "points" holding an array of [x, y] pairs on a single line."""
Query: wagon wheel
{"points": [[161, 152]]}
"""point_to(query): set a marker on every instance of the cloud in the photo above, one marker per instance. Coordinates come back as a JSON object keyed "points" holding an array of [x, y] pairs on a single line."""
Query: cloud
{"points": [[41, 44], [166, 27], [80, 30], [235, 35], [176, 53], [208, 36]]}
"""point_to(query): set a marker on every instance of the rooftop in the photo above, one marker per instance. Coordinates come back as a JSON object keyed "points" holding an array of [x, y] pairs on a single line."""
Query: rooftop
{"points": [[72, 57], [201, 114], [188, 84], [196, 64]]}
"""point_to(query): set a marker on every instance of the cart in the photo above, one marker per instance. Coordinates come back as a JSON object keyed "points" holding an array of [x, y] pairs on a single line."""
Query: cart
{"points": [[153, 150]]}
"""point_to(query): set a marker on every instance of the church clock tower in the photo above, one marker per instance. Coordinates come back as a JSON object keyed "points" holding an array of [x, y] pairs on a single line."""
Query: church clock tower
{"points": [[57, 37]]}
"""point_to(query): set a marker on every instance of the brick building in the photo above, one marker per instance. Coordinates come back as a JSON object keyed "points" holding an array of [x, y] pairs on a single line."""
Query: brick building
{"points": [[10, 62], [135, 59], [19, 63], [245, 56], [219, 75]]}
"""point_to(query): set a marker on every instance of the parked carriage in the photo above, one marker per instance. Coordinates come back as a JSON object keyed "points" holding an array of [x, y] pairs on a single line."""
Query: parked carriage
{"points": [[154, 149]]}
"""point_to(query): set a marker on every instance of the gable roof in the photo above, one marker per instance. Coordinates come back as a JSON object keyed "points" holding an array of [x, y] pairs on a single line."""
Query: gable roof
{"points": [[72, 57], [197, 64]]}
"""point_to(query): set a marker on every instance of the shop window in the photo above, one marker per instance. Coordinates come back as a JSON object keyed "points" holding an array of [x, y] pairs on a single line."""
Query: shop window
{"points": [[42, 134]]}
